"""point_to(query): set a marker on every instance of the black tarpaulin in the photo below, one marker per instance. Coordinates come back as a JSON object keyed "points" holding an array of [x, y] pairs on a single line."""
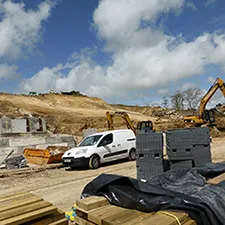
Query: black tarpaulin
{"points": [[184, 190]]}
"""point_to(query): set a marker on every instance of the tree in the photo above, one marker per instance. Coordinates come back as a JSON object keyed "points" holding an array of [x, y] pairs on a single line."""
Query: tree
{"points": [[165, 102], [192, 97], [178, 100]]}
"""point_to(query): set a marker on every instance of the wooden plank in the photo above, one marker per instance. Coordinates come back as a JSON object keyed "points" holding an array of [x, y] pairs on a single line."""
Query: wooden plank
{"points": [[92, 202], [63, 221], [102, 213], [23, 209], [80, 221], [15, 203], [159, 219], [2, 196], [123, 217], [84, 214], [217, 180], [93, 211], [27, 217], [8, 197], [190, 222], [47, 219]]}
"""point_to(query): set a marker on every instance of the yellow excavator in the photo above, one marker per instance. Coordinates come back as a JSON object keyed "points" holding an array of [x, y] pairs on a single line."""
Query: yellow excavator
{"points": [[206, 117], [142, 125]]}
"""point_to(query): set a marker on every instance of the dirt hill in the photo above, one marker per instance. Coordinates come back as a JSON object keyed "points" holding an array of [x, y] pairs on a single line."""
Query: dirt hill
{"points": [[69, 114]]}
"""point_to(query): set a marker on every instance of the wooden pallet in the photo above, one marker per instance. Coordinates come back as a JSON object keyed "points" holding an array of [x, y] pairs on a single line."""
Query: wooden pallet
{"points": [[97, 210], [26, 208]]}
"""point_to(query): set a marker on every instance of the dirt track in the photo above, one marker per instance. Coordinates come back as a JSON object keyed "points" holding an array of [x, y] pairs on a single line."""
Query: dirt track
{"points": [[62, 187], [59, 186]]}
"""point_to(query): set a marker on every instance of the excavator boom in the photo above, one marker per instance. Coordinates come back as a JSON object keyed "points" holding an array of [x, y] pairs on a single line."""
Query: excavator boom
{"points": [[124, 115], [205, 117], [142, 125], [219, 83]]}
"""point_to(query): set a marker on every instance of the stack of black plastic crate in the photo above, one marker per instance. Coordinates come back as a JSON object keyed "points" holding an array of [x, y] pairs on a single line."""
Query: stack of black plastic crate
{"points": [[201, 145], [188, 147], [149, 145]]}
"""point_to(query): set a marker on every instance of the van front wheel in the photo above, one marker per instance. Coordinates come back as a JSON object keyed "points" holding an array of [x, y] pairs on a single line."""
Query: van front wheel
{"points": [[132, 154], [94, 162]]}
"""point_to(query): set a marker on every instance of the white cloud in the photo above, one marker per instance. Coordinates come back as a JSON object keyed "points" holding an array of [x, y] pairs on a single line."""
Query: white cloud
{"points": [[209, 2], [143, 57], [163, 92], [191, 5], [211, 80], [216, 99], [119, 22], [7, 71], [187, 85], [20, 28]]}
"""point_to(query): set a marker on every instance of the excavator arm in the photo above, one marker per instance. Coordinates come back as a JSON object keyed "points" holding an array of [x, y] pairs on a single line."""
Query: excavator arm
{"points": [[142, 125], [218, 84], [124, 115], [200, 119]]}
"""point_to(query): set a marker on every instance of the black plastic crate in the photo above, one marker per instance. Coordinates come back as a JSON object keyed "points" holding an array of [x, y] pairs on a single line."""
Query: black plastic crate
{"points": [[202, 150], [144, 173], [149, 164], [202, 161], [181, 164], [149, 141], [180, 153]]}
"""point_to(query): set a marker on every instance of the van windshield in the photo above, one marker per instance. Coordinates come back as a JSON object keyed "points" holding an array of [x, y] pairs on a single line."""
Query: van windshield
{"points": [[91, 140]]}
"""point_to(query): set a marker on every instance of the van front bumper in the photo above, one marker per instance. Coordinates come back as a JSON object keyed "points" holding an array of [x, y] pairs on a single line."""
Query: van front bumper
{"points": [[75, 162]]}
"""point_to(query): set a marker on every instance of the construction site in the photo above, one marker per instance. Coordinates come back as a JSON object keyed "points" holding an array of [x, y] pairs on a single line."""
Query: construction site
{"points": [[37, 188]]}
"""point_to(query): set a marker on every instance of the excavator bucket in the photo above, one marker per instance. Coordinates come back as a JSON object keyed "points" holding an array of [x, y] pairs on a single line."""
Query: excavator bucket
{"points": [[53, 154]]}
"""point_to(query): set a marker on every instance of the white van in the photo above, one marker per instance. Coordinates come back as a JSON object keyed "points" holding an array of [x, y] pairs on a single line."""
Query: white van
{"points": [[102, 147]]}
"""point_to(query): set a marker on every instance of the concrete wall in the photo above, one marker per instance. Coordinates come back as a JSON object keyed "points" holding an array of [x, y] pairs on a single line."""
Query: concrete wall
{"points": [[19, 142], [15, 126]]}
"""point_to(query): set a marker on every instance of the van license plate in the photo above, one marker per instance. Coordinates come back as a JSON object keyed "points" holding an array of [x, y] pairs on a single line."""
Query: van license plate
{"points": [[67, 160]]}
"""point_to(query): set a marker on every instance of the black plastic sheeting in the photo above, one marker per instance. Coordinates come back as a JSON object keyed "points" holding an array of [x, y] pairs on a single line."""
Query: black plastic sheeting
{"points": [[183, 190]]}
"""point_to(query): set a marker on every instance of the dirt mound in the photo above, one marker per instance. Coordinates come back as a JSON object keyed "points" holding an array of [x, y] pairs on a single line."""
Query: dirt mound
{"points": [[70, 114], [64, 113]]}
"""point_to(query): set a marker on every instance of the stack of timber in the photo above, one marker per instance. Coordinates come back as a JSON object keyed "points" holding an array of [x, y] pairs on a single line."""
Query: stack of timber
{"points": [[97, 211], [26, 208]]}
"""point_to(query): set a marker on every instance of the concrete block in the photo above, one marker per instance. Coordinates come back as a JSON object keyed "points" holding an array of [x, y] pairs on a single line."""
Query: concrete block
{"points": [[0, 126], [4, 142], [6, 125], [37, 125], [19, 125], [26, 141], [67, 139], [52, 140], [34, 124], [44, 146], [4, 151], [61, 139], [44, 128]]}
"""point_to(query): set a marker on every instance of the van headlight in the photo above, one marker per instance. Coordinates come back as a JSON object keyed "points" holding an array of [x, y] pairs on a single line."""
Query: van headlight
{"points": [[82, 151]]}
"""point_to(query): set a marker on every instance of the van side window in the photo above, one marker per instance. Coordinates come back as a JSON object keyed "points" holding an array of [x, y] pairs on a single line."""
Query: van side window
{"points": [[108, 139]]}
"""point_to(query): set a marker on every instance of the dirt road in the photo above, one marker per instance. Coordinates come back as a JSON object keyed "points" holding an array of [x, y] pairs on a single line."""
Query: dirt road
{"points": [[63, 187], [59, 186]]}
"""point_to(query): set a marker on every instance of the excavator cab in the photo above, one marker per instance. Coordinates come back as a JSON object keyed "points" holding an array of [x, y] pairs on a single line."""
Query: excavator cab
{"points": [[145, 125]]}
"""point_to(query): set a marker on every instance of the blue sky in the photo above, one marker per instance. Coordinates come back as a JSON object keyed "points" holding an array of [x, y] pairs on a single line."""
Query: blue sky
{"points": [[114, 49]]}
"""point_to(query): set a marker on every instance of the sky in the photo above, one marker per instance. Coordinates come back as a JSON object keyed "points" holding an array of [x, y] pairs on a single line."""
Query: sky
{"points": [[124, 51]]}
